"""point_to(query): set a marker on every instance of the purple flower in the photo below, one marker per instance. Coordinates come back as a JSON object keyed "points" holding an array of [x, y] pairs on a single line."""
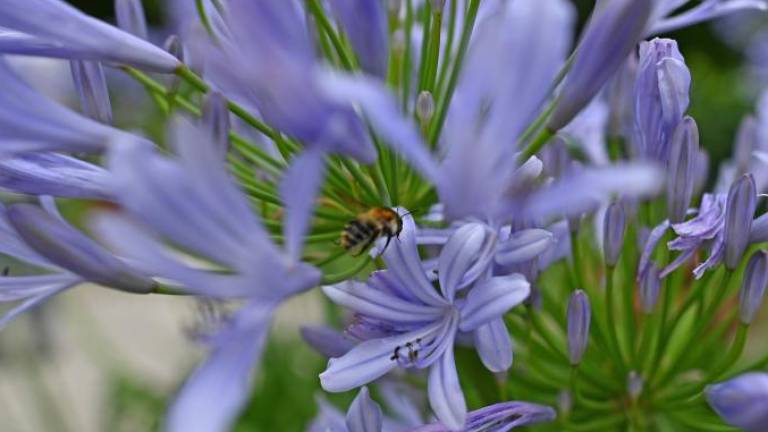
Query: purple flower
{"points": [[191, 201], [682, 167], [741, 401], [612, 33], [662, 22], [579, 315], [52, 28], [418, 324], [661, 97], [499, 417], [649, 288], [365, 23], [740, 209], [30, 122], [753, 287], [479, 144], [46, 241]]}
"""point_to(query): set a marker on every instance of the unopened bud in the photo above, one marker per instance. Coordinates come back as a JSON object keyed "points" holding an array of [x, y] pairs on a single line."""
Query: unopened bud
{"points": [[634, 385], [425, 106], [746, 143], [649, 288], [438, 5], [740, 401], [364, 415], [753, 286], [91, 86], [613, 233], [130, 17], [739, 211], [681, 169], [579, 315]]}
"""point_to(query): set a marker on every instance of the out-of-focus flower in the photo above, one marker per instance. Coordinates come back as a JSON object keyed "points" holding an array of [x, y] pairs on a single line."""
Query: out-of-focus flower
{"points": [[614, 226], [649, 288], [499, 417], [52, 28], [417, 325], [740, 401], [192, 201], [612, 33], [661, 97], [56, 175]]}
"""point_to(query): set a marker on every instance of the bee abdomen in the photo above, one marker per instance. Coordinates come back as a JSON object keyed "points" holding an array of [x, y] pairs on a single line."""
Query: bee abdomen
{"points": [[357, 232]]}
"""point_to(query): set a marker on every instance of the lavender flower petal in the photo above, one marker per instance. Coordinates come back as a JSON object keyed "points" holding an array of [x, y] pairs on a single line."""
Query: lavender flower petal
{"points": [[376, 304], [365, 23], [706, 10], [471, 246], [753, 287], [56, 175], [489, 299], [298, 188], [130, 17], [523, 246], [326, 340], [216, 392], [494, 345], [364, 414], [500, 417], [445, 395], [74, 36], [92, 87]]}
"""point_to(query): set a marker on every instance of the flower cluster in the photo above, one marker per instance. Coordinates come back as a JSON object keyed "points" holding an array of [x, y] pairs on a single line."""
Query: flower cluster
{"points": [[462, 179]]}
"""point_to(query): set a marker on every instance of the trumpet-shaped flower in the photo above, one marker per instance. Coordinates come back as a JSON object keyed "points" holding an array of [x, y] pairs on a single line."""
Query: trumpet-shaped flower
{"points": [[52, 28], [418, 324]]}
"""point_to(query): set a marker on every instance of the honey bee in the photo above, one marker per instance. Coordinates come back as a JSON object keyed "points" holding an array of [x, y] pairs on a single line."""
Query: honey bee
{"points": [[360, 233]]}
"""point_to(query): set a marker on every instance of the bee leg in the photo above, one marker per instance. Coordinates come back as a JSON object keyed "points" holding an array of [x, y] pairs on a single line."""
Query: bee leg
{"points": [[389, 239]]}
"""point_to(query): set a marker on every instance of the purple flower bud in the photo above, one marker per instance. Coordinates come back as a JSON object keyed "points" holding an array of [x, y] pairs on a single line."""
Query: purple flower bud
{"points": [[215, 117], [612, 33], [425, 106], [741, 401], [579, 315], [92, 88], [635, 385], [681, 169], [130, 17], [746, 143], [649, 288], [661, 97], [364, 415], [740, 209], [702, 172], [614, 225], [753, 286]]}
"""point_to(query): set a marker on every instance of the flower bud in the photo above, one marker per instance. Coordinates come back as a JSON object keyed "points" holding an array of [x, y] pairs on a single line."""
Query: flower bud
{"points": [[753, 286], [739, 210], [702, 172], [746, 143], [635, 385], [612, 33], [613, 233], [741, 401], [130, 17], [661, 97], [425, 107], [364, 415], [215, 118], [579, 315], [92, 88], [649, 288], [681, 169]]}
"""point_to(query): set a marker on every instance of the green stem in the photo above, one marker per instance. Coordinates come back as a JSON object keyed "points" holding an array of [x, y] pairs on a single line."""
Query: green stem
{"points": [[434, 51], [536, 144], [610, 313], [325, 25]]}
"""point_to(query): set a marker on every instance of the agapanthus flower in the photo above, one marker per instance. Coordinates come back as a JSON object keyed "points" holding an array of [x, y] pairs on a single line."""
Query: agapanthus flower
{"points": [[417, 324], [68, 258], [741, 401], [52, 28], [192, 201]]}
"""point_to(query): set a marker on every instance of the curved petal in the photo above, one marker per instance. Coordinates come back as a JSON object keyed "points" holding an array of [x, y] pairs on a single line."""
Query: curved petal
{"points": [[491, 298], [298, 190], [213, 396], [364, 415], [523, 246], [445, 395], [494, 345], [471, 245], [374, 303], [54, 174]]}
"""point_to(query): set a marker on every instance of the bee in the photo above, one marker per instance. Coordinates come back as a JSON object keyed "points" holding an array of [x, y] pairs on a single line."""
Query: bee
{"points": [[360, 233]]}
